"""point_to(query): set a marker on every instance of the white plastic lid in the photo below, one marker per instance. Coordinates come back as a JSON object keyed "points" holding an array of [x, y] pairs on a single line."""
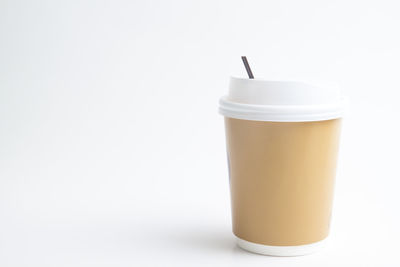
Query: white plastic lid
{"points": [[285, 101]]}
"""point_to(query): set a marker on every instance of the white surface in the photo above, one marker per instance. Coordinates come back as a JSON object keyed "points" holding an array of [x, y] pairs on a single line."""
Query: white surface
{"points": [[282, 251], [100, 166], [288, 101]]}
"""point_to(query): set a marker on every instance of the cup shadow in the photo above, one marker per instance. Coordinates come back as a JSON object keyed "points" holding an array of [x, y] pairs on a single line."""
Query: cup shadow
{"points": [[210, 241]]}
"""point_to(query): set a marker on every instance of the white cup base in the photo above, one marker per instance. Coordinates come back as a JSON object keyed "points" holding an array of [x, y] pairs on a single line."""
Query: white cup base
{"points": [[283, 251]]}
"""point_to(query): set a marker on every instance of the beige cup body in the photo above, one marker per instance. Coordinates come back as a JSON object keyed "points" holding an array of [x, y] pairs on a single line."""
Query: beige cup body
{"points": [[282, 179]]}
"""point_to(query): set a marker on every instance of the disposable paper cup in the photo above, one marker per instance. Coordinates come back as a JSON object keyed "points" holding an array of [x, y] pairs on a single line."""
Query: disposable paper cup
{"points": [[282, 143]]}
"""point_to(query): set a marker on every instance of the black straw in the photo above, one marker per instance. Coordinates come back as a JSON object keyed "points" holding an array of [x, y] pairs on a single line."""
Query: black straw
{"points": [[247, 66]]}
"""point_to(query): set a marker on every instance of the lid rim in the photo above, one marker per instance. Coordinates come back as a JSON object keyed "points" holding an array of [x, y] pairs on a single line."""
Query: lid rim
{"points": [[283, 113]]}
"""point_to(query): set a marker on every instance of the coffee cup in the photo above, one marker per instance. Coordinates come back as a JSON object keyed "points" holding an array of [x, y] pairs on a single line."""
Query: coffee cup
{"points": [[282, 144]]}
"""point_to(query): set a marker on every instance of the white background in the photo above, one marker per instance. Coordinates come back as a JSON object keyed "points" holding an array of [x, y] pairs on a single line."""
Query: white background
{"points": [[111, 149]]}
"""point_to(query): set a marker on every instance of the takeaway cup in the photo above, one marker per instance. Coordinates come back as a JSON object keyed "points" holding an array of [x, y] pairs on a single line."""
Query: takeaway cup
{"points": [[282, 143]]}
